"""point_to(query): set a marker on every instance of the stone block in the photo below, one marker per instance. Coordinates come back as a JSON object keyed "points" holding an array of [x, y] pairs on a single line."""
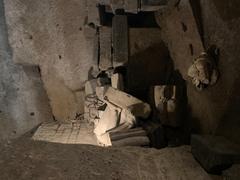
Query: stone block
{"points": [[93, 12], [214, 153], [120, 40], [90, 87], [152, 5], [137, 107], [131, 6], [166, 103], [109, 120], [104, 140], [96, 51], [127, 118], [100, 91], [103, 81], [117, 81], [132, 141], [105, 38], [116, 4]]}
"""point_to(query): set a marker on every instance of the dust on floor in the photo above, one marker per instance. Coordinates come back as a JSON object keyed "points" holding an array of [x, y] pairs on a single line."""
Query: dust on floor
{"points": [[28, 159]]}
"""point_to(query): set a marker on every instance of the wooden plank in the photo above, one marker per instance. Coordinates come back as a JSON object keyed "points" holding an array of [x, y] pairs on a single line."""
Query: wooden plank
{"points": [[105, 61], [120, 40]]}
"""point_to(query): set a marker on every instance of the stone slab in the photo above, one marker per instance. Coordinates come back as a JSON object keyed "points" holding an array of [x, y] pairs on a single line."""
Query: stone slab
{"points": [[131, 6], [214, 153], [78, 133], [137, 107], [105, 38], [120, 40], [93, 12], [117, 81]]}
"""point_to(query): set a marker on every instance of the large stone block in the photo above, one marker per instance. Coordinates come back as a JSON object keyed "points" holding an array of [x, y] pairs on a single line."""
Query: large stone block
{"points": [[120, 40], [214, 153], [105, 38], [137, 107], [117, 81], [93, 12], [100, 92]]}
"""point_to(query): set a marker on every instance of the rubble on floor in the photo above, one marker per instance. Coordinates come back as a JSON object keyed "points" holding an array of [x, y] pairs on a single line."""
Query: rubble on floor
{"points": [[121, 109], [26, 159]]}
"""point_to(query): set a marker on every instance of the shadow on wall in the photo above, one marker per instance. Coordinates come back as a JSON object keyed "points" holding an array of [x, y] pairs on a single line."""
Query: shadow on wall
{"points": [[150, 67], [23, 101], [231, 9], [229, 125]]}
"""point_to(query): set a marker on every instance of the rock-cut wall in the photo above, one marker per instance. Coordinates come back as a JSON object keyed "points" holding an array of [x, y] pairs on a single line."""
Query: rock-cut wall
{"points": [[50, 34], [23, 101]]}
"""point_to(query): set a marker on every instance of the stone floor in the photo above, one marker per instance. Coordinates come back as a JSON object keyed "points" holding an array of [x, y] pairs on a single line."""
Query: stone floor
{"points": [[27, 159], [71, 133]]}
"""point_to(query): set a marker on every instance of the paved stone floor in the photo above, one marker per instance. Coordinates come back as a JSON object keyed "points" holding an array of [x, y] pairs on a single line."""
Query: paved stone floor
{"points": [[69, 133]]}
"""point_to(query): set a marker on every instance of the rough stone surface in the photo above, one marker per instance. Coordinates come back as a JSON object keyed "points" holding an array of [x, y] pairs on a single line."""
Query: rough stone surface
{"points": [[149, 62], [120, 40], [70, 133], [51, 34], [23, 100], [27, 160], [121, 99], [117, 81], [131, 6], [100, 92], [152, 5], [108, 120], [93, 12], [184, 44], [214, 153], [215, 110], [232, 173], [105, 38], [90, 87]]}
